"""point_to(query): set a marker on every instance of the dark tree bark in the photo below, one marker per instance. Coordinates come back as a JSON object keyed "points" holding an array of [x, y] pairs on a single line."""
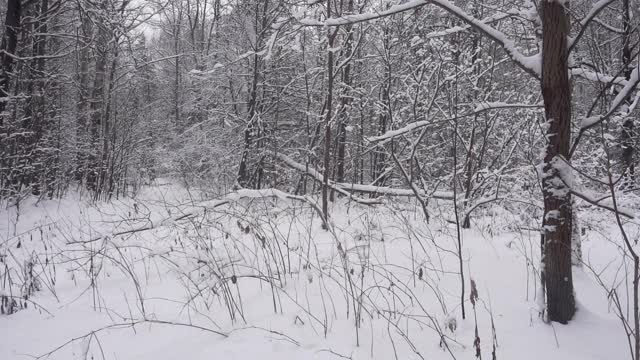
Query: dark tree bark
{"points": [[556, 91], [34, 124], [9, 44]]}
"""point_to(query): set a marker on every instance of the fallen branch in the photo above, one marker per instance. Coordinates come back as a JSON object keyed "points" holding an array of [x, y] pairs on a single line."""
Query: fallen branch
{"points": [[344, 188], [598, 203]]}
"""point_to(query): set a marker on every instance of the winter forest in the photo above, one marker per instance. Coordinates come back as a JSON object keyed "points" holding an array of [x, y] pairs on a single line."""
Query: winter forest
{"points": [[319, 179]]}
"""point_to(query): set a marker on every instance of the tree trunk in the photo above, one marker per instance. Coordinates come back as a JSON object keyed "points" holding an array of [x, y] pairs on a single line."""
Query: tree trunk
{"points": [[345, 102], [108, 132], [243, 171], [556, 91], [251, 131], [627, 137], [34, 125], [94, 171], [576, 236], [327, 124], [177, 79], [385, 120], [82, 106], [9, 44]]}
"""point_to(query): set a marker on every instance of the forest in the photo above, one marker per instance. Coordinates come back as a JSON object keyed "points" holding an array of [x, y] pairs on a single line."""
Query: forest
{"points": [[319, 179]]}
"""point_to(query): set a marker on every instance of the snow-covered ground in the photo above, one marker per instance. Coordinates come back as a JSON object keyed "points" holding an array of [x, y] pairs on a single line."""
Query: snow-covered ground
{"points": [[169, 276]]}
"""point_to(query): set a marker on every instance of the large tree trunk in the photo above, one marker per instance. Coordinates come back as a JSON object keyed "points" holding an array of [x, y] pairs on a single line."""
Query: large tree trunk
{"points": [[556, 91]]}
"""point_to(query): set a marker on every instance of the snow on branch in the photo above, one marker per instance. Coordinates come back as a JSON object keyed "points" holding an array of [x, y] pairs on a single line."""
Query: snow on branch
{"points": [[401, 131], [279, 194], [344, 188], [487, 20], [595, 10], [530, 64], [599, 202], [484, 106], [358, 18], [598, 77], [316, 175], [626, 91], [441, 195]]}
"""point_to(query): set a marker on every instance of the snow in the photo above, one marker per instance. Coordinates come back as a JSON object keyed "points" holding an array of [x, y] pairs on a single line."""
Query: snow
{"points": [[401, 131], [161, 293], [629, 87], [633, 81], [356, 18], [483, 106], [598, 77], [604, 201], [455, 29], [589, 121], [531, 64], [444, 195], [208, 72], [596, 8]]}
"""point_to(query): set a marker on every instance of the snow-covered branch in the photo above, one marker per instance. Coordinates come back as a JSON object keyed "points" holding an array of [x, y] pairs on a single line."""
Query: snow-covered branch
{"points": [[598, 77], [595, 10], [530, 64], [484, 106], [358, 18], [598, 201], [626, 91], [316, 175], [462, 28], [344, 188]]}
